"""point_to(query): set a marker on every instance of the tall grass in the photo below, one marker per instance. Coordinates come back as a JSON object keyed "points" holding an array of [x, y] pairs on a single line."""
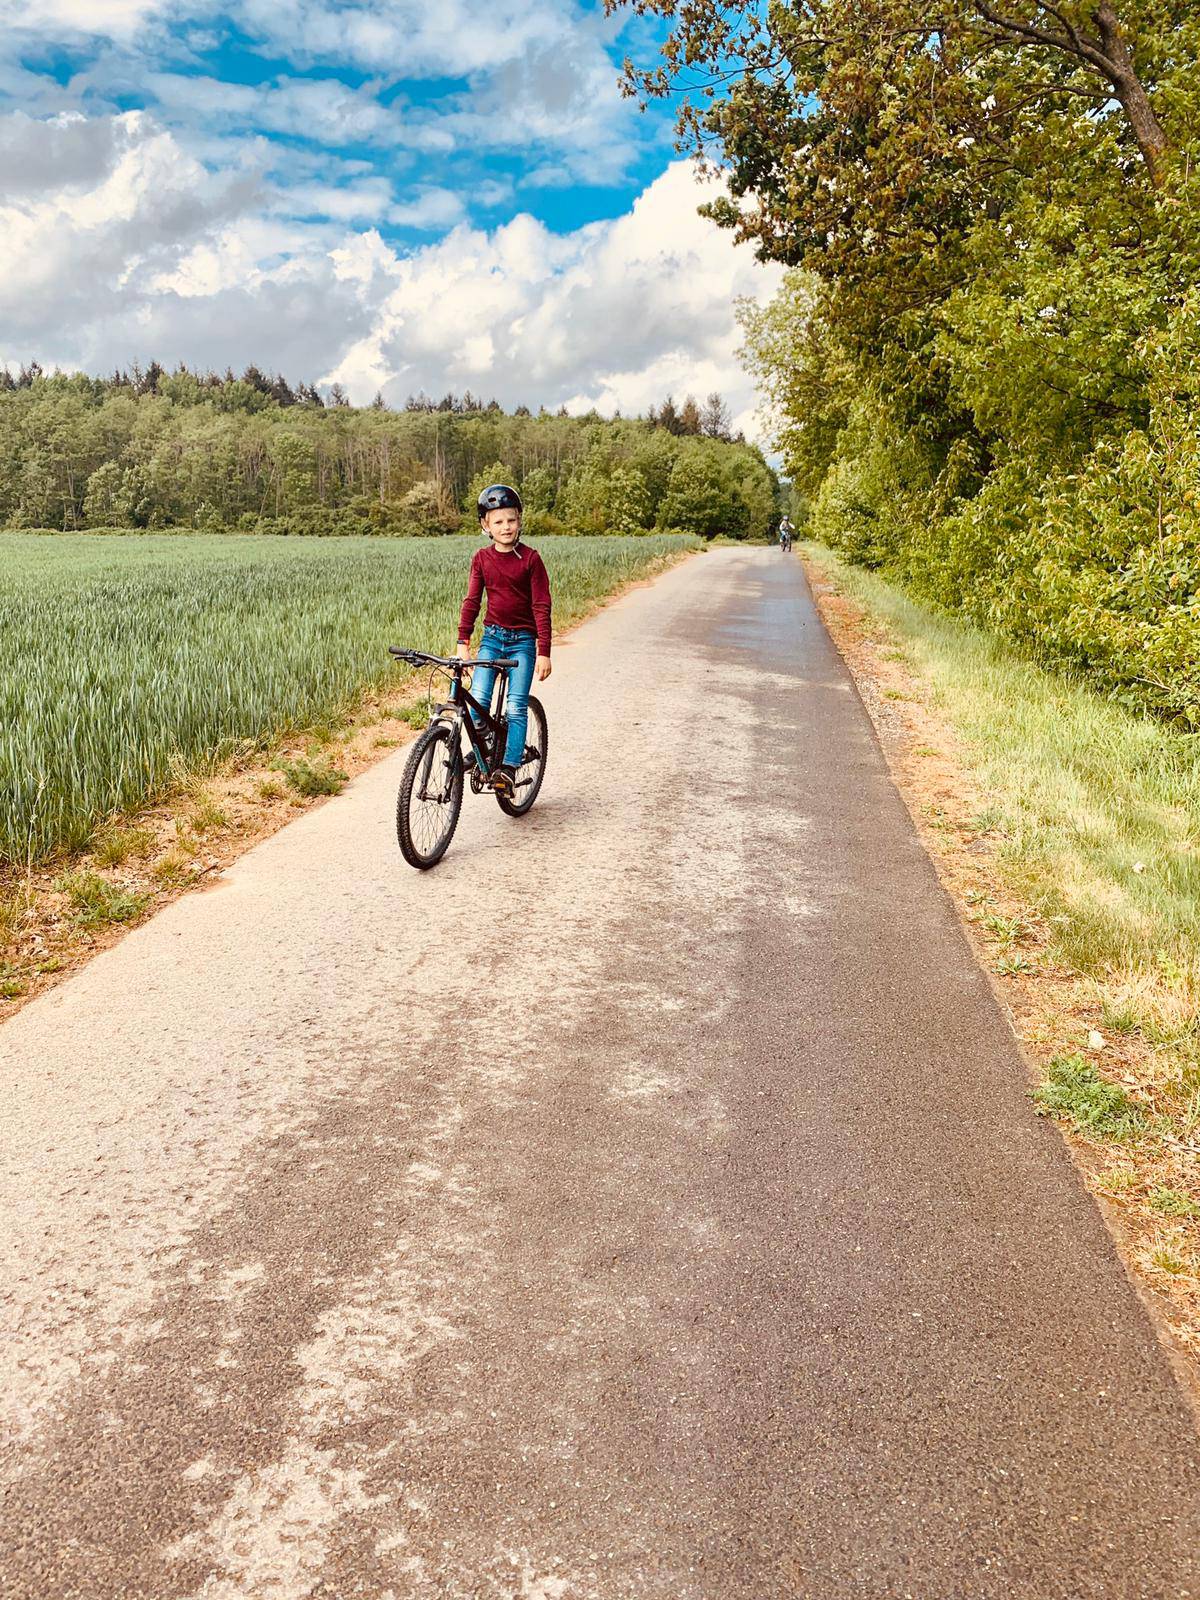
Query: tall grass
{"points": [[1097, 808], [129, 659]]}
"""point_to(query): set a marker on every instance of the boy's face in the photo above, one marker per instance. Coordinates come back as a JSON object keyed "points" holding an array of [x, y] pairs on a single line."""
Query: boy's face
{"points": [[503, 528]]}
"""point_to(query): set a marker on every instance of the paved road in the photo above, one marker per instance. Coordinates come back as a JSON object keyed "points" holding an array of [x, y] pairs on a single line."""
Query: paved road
{"points": [[645, 1203]]}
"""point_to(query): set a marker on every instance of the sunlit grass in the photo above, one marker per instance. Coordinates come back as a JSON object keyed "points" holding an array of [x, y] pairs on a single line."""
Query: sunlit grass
{"points": [[1098, 808]]}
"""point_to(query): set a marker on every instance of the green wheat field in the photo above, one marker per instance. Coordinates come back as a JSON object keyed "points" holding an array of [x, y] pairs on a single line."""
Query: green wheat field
{"points": [[130, 660]]}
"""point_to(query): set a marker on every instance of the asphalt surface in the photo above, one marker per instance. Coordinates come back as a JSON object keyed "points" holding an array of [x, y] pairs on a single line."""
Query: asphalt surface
{"points": [[646, 1202]]}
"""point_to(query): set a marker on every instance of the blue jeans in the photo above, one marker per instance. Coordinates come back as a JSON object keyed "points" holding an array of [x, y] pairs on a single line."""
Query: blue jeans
{"points": [[508, 644]]}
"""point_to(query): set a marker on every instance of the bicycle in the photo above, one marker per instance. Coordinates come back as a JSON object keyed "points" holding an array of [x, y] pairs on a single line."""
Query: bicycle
{"points": [[431, 789]]}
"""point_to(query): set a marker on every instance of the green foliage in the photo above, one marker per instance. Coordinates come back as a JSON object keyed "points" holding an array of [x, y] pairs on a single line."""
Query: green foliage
{"points": [[1075, 1090], [982, 362], [538, 488], [98, 902], [230, 456], [309, 780], [1173, 1203], [114, 846], [696, 499]]}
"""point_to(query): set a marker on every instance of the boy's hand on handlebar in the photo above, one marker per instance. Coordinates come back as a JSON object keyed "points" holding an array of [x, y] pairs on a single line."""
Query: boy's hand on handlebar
{"points": [[542, 669], [463, 652]]}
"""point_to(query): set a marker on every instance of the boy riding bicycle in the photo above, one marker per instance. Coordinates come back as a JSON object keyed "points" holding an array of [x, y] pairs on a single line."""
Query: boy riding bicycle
{"points": [[517, 625]]}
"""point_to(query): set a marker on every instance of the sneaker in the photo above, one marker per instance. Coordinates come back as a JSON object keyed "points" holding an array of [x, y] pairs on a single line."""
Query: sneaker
{"points": [[504, 781]]}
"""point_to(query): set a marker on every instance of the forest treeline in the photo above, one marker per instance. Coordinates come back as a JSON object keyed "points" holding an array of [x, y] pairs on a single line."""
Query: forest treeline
{"points": [[985, 356], [159, 449]]}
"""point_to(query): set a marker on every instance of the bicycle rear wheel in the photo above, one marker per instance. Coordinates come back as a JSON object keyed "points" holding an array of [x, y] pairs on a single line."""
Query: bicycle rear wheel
{"points": [[430, 797], [533, 766]]}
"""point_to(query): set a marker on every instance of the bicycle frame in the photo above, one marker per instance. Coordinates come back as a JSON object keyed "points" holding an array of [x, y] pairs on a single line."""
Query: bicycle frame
{"points": [[462, 703]]}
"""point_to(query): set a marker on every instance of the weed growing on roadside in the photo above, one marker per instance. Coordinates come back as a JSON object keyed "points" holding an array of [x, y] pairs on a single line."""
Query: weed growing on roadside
{"points": [[14, 903], [415, 716], [1169, 1255], [1118, 1180], [270, 789], [1072, 1088], [1119, 1016], [98, 902], [206, 815], [309, 780], [115, 846], [1173, 1203], [1014, 966], [1007, 931], [175, 867]]}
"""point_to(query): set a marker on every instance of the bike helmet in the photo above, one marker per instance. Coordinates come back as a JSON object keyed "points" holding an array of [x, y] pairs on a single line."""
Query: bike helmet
{"points": [[498, 497]]}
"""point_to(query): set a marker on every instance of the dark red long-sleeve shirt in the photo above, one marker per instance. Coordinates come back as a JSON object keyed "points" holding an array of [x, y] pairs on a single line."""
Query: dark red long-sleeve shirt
{"points": [[518, 593]]}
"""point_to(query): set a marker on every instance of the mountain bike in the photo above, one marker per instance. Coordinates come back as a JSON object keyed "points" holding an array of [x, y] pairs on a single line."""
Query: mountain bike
{"points": [[431, 789]]}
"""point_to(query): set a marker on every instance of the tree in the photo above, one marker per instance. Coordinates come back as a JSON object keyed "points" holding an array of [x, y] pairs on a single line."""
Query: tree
{"points": [[538, 489], [338, 396], [689, 417], [714, 419], [209, 451], [107, 504], [666, 417], [628, 509], [697, 501], [429, 508]]}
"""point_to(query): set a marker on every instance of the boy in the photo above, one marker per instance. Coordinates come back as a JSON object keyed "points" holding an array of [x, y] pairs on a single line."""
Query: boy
{"points": [[517, 625]]}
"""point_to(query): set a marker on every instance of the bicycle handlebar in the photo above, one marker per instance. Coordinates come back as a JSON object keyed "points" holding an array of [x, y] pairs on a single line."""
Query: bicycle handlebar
{"points": [[418, 658]]}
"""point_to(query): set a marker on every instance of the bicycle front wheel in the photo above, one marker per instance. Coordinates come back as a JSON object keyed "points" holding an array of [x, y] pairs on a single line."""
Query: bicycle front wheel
{"points": [[430, 797], [533, 764]]}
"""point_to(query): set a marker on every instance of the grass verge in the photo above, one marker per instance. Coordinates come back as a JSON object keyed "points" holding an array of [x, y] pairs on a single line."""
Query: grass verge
{"points": [[1069, 830]]}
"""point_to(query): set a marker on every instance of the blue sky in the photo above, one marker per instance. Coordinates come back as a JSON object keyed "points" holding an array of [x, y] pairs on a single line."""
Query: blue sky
{"points": [[389, 193]]}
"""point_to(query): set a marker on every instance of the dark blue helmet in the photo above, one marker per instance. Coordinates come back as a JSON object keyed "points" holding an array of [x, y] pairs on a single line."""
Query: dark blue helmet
{"points": [[499, 497]]}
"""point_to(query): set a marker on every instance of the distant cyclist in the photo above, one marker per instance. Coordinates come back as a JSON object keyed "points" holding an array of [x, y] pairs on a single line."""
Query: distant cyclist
{"points": [[786, 533]]}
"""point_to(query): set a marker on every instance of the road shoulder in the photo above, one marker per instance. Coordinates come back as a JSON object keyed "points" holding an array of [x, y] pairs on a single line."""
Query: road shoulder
{"points": [[1053, 1010]]}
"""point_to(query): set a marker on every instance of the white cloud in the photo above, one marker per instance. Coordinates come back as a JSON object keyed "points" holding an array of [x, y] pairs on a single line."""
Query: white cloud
{"points": [[430, 209], [613, 315], [111, 18], [449, 38], [540, 76], [313, 108], [129, 249]]}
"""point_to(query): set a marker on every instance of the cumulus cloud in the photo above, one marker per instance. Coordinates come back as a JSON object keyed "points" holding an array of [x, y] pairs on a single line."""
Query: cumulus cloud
{"points": [[613, 315], [113, 18], [134, 250], [538, 73]]}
